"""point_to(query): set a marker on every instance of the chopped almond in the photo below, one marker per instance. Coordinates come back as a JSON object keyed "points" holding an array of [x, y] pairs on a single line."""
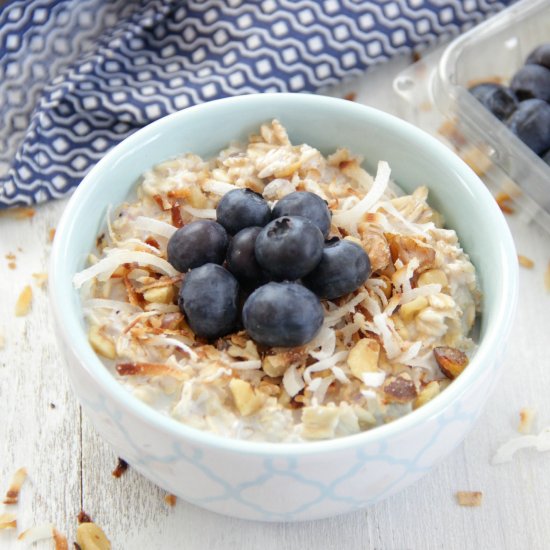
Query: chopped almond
{"points": [[246, 399], [469, 498], [400, 389], [451, 361], [526, 262], [24, 302], [170, 499], [60, 540], [12, 496], [101, 343]]}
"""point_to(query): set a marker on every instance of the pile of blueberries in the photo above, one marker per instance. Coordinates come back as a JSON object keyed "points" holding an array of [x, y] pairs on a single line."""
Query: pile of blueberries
{"points": [[275, 262], [525, 106]]}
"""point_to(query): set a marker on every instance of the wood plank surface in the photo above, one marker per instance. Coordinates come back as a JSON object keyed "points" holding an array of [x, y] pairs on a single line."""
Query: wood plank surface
{"points": [[70, 467]]}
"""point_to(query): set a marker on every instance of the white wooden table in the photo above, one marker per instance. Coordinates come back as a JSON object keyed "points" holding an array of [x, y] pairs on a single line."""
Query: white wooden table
{"points": [[41, 427]]}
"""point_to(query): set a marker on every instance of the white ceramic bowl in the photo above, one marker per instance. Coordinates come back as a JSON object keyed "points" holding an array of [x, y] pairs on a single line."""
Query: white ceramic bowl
{"points": [[275, 481]]}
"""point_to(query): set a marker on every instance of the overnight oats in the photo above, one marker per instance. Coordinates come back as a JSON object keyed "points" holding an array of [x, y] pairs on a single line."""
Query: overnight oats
{"points": [[274, 294]]}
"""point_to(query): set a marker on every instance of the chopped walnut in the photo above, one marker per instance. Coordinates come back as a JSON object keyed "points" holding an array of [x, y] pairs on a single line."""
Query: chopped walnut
{"points": [[400, 389], [451, 361], [469, 498]]}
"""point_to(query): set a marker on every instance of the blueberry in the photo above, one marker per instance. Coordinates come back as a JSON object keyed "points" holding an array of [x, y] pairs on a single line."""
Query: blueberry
{"points": [[242, 208], [289, 247], [343, 268], [196, 244], [540, 56], [241, 260], [498, 99], [305, 204], [532, 81], [208, 298], [282, 315], [531, 123]]}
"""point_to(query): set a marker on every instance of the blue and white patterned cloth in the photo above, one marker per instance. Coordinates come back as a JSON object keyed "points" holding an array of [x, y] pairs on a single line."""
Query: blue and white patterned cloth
{"points": [[78, 76]]}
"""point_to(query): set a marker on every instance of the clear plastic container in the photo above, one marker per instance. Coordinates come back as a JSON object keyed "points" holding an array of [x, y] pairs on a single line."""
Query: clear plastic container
{"points": [[437, 99]]}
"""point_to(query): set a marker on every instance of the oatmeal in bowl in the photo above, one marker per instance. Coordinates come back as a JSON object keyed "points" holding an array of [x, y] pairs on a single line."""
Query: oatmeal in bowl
{"points": [[273, 293]]}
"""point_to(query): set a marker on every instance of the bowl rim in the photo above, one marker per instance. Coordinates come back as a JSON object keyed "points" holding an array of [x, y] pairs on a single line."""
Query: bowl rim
{"points": [[495, 335]]}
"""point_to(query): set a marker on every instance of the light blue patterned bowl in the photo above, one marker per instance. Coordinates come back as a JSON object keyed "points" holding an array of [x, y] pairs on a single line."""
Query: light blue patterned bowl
{"points": [[288, 482]]}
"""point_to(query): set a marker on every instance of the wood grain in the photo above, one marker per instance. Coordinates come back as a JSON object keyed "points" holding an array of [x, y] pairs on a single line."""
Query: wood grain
{"points": [[70, 467]]}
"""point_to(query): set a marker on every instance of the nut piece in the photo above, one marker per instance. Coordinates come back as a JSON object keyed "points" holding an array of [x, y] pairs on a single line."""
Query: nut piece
{"points": [[400, 389], [275, 365], [160, 295], [469, 498], [90, 536], [364, 357], [406, 248], [102, 344], [408, 311], [246, 399], [23, 304], [433, 276], [451, 361], [319, 422], [427, 393]]}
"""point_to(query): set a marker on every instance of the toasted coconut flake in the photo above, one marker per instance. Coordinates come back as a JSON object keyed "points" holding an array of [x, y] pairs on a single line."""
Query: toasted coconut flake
{"points": [[51, 234], [526, 262], [163, 341], [203, 213], [540, 443], [149, 369], [120, 468], [170, 499], [469, 498], [14, 489], [154, 226], [117, 258], [37, 532], [547, 278], [24, 302], [527, 417], [293, 381], [8, 521], [60, 540], [349, 219]]}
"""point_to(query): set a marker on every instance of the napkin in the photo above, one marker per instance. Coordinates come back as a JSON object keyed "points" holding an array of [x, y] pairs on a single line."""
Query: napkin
{"points": [[78, 76]]}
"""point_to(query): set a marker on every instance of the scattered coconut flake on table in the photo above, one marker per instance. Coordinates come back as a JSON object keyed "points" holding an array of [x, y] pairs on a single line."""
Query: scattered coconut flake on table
{"points": [[469, 498], [37, 532], [12, 495], [526, 262], [60, 540], [540, 443], [24, 302]]}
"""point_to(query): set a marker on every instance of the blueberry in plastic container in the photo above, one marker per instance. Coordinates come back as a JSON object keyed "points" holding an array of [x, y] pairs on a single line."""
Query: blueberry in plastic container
{"points": [[242, 208], [498, 99], [343, 268], [208, 298], [282, 315], [196, 244], [531, 123], [289, 247], [241, 259], [305, 204], [532, 82], [540, 56]]}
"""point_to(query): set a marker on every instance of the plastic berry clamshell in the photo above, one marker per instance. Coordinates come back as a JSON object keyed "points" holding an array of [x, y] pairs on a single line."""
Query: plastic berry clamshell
{"points": [[436, 98]]}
